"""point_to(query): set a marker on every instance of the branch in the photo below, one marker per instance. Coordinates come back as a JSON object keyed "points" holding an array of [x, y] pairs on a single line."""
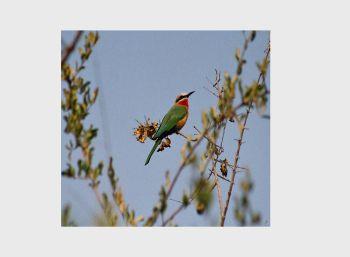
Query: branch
{"points": [[187, 138], [209, 139], [197, 190], [222, 177], [211, 92], [184, 162], [239, 143], [219, 191], [154, 217], [216, 150], [215, 84], [70, 48], [98, 197], [235, 165], [192, 197], [216, 180]]}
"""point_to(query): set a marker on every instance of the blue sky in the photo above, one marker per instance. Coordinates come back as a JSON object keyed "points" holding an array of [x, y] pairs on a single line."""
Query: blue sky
{"points": [[139, 74]]}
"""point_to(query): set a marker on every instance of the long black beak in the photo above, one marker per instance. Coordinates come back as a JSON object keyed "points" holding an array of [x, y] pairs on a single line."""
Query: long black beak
{"points": [[190, 93]]}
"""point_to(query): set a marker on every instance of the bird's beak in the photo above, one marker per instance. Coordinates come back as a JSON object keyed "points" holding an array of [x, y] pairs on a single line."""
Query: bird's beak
{"points": [[190, 93]]}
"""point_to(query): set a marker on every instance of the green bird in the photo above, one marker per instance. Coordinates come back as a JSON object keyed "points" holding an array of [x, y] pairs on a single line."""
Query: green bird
{"points": [[172, 122]]}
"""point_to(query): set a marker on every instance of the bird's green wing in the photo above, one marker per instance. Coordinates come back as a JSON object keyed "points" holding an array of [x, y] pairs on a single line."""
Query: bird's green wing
{"points": [[174, 115]]}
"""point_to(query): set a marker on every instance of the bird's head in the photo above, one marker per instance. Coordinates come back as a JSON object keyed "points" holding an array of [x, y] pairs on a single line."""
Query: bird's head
{"points": [[182, 99]]}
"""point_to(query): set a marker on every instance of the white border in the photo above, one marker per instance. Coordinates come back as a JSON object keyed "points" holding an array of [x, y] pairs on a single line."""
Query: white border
{"points": [[309, 128]]}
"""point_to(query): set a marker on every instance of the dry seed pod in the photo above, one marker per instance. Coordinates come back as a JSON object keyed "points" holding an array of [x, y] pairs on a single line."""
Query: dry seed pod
{"points": [[223, 168], [165, 144], [146, 130]]}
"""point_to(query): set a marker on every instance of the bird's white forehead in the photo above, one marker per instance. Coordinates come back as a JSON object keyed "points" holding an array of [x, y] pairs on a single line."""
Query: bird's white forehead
{"points": [[181, 95]]}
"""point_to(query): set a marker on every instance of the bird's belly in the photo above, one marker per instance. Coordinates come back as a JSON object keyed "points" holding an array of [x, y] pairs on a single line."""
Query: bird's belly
{"points": [[181, 123]]}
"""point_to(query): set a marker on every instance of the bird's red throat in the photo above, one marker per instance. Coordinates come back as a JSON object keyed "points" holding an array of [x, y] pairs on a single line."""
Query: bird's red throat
{"points": [[183, 102]]}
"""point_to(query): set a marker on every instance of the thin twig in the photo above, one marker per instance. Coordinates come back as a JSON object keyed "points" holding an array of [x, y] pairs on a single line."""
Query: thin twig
{"points": [[235, 164], [184, 163], [216, 180], [94, 187], [217, 79], [187, 138], [98, 197], [180, 169], [222, 177], [70, 48], [210, 140], [231, 165], [234, 167], [171, 199], [239, 143], [176, 212], [219, 191], [197, 190], [211, 92], [192, 196], [220, 146]]}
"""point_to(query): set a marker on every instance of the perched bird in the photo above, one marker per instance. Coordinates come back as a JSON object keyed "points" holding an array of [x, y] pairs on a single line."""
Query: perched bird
{"points": [[172, 122]]}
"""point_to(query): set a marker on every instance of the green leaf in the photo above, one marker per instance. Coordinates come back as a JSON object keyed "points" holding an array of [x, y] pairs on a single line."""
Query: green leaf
{"points": [[185, 200], [69, 172]]}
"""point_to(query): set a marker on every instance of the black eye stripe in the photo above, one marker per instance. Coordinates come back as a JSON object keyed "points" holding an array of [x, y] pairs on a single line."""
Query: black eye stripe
{"points": [[180, 97]]}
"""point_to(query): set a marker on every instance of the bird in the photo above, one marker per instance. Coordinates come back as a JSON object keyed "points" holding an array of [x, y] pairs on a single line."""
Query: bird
{"points": [[172, 122]]}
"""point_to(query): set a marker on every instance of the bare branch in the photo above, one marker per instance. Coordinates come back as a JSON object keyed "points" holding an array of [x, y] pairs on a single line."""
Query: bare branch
{"points": [[174, 200], [215, 84], [184, 162], [235, 165], [210, 140], [222, 177], [239, 143], [70, 48], [217, 79], [192, 197], [213, 170], [187, 138], [179, 171], [211, 92]]}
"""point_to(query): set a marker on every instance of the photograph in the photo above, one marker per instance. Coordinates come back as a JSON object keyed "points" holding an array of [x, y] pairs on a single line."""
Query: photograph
{"points": [[165, 128], [160, 128]]}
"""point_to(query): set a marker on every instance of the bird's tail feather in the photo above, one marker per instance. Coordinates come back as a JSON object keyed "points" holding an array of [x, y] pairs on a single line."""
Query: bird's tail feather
{"points": [[158, 141]]}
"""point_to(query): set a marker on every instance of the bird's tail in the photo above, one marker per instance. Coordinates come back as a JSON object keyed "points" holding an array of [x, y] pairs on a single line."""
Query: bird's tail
{"points": [[158, 141]]}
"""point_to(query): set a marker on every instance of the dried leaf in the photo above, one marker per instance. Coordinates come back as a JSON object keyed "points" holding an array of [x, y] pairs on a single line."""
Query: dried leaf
{"points": [[146, 130], [223, 167], [165, 144]]}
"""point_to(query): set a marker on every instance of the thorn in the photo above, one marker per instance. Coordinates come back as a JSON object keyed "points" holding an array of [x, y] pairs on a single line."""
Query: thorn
{"points": [[219, 176], [243, 168], [211, 92], [175, 200]]}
